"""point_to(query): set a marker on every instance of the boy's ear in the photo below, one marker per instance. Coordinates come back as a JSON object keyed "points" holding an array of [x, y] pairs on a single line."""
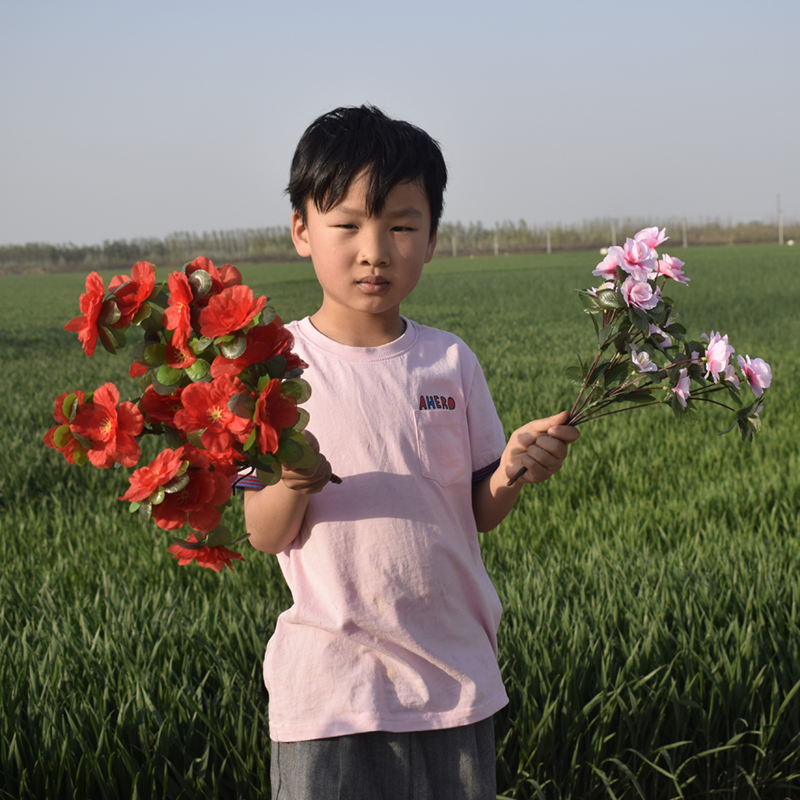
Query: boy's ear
{"points": [[431, 246], [300, 236]]}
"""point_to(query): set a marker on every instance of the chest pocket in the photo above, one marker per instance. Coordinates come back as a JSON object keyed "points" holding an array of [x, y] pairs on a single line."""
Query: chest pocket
{"points": [[441, 445]]}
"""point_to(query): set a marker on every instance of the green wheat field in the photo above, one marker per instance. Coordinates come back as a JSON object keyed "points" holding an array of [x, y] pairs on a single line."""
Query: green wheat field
{"points": [[650, 642]]}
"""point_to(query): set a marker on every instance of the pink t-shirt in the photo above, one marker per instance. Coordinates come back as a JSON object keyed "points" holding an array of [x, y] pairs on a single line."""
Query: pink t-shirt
{"points": [[394, 620]]}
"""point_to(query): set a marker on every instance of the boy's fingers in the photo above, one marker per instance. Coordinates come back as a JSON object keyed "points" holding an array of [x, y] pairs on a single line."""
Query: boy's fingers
{"points": [[564, 433]]}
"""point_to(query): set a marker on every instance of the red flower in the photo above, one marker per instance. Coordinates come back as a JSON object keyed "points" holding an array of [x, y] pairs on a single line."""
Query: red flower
{"points": [[67, 445], [91, 303], [110, 429], [136, 370], [177, 316], [230, 311], [158, 472], [274, 412], [179, 357], [263, 342], [227, 275], [205, 408], [160, 408], [196, 503], [132, 290], [212, 557]]}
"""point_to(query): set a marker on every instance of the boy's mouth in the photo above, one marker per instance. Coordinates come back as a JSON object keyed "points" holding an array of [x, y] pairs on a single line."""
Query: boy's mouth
{"points": [[373, 284]]}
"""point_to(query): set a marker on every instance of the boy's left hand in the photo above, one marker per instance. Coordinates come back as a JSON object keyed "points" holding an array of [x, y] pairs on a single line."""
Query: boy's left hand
{"points": [[540, 446]]}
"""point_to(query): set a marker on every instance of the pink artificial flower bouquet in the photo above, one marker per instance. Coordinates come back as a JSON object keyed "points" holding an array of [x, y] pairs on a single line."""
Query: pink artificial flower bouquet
{"points": [[642, 349]]}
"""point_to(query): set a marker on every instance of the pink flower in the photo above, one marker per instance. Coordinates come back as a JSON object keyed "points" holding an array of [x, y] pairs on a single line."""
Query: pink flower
{"points": [[653, 330], [695, 357], [757, 373], [672, 268], [642, 361], [607, 268], [717, 354], [636, 258], [640, 294], [681, 389], [652, 237], [730, 376]]}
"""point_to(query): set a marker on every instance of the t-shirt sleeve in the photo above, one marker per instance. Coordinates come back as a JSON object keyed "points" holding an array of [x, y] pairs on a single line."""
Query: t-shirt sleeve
{"points": [[487, 438]]}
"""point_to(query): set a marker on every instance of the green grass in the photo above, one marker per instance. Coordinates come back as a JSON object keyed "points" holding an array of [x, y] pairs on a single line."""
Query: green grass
{"points": [[650, 641]]}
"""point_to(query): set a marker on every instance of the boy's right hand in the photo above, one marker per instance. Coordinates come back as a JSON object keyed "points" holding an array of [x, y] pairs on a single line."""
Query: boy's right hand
{"points": [[312, 479]]}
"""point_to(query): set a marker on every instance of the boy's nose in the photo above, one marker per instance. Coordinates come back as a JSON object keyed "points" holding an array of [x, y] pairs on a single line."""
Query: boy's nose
{"points": [[373, 250]]}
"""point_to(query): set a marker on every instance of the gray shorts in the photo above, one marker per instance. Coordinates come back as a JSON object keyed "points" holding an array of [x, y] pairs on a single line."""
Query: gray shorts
{"points": [[448, 764]]}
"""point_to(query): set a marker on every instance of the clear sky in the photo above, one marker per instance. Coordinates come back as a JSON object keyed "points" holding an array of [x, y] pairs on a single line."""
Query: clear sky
{"points": [[120, 120]]}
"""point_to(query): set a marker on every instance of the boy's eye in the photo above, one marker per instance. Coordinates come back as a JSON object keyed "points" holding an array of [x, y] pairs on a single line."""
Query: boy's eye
{"points": [[401, 228]]}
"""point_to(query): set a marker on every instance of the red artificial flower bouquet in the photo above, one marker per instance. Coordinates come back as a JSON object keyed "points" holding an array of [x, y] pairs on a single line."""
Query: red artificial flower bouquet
{"points": [[219, 384]]}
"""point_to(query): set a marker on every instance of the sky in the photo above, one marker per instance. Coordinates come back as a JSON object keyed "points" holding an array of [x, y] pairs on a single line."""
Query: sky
{"points": [[125, 120]]}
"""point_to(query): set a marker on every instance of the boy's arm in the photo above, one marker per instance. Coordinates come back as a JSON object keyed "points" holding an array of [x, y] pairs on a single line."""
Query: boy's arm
{"points": [[275, 514], [541, 447]]}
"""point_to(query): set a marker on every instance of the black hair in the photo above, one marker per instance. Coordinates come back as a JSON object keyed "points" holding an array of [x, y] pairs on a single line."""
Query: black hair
{"points": [[340, 145]]}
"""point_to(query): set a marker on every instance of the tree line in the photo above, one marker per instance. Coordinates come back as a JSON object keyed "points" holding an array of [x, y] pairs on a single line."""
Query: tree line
{"points": [[258, 245]]}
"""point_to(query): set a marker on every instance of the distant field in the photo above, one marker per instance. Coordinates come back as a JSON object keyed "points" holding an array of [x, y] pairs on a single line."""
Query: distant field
{"points": [[650, 642]]}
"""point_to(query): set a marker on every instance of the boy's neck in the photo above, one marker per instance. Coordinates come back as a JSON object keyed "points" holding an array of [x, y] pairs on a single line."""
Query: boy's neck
{"points": [[359, 330]]}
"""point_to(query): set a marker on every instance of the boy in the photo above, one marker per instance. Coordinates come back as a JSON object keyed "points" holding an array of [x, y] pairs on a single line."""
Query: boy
{"points": [[383, 675]]}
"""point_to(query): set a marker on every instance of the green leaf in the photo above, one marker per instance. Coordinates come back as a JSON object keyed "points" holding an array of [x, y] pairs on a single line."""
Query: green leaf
{"points": [[153, 323], [303, 418], [176, 484], [69, 406], [85, 443], [168, 376], [635, 397], [234, 348], [638, 319], [269, 477], [142, 314], [62, 436], [134, 507], [251, 440], [161, 388], [195, 438], [289, 452], [172, 438], [200, 344], [589, 303], [297, 388], [200, 281], [119, 337], [609, 300], [146, 510], [154, 354], [106, 339], [198, 370], [575, 374], [617, 373], [276, 366], [109, 312], [605, 335], [267, 315], [242, 405], [220, 536], [157, 497]]}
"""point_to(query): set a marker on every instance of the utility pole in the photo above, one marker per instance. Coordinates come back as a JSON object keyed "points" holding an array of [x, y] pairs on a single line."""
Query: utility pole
{"points": [[548, 241], [496, 242], [780, 221]]}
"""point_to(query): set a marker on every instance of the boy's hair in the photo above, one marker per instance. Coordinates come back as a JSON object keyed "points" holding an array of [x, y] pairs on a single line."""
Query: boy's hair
{"points": [[340, 145]]}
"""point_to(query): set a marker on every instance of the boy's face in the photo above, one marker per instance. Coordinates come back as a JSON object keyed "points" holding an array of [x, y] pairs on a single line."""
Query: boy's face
{"points": [[366, 265]]}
